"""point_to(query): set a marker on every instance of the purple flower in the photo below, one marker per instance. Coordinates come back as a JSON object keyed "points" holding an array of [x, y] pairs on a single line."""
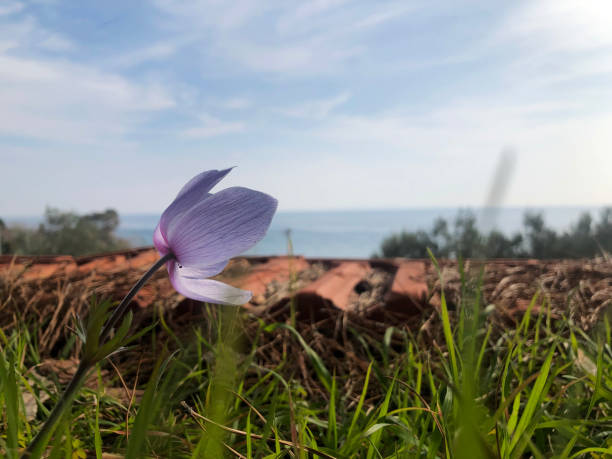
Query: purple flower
{"points": [[203, 231]]}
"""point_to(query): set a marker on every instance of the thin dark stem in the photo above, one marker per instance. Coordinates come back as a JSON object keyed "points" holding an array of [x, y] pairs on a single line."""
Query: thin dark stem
{"points": [[34, 449], [120, 310]]}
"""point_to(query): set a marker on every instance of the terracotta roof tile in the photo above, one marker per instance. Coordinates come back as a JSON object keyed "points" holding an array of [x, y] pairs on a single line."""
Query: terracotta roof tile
{"points": [[40, 267], [409, 289], [278, 269], [396, 285], [334, 287]]}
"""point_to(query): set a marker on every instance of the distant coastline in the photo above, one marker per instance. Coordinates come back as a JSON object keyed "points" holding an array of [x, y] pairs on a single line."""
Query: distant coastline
{"points": [[359, 233], [353, 233]]}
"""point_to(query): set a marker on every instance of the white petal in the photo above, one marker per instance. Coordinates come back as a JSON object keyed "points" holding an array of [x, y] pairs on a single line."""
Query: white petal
{"points": [[207, 290], [202, 272]]}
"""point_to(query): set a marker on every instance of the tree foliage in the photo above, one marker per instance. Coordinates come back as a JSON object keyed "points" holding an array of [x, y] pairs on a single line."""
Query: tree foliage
{"points": [[64, 233], [586, 238]]}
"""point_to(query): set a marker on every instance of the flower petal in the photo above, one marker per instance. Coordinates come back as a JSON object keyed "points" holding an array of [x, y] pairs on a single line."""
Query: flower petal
{"points": [[160, 242], [202, 272], [220, 227], [194, 191], [207, 290]]}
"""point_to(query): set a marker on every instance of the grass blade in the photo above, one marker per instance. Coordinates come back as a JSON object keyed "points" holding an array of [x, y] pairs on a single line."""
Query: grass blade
{"points": [[8, 382], [533, 401], [360, 403]]}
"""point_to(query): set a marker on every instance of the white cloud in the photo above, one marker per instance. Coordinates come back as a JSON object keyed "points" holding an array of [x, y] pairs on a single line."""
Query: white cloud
{"points": [[379, 17], [316, 37], [316, 108], [210, 126], [455, 147], [305, 58], [56, 42], [557, 40], [26, 34], [313, 7], [400, 149], [9, 7], [236, 103], [155, 52], [216, 14], [63, 101], [561, 25], [305, 15]]}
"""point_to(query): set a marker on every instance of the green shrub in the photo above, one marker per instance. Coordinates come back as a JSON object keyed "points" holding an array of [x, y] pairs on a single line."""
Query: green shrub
{"points": [[584, 239], [64, 233]]}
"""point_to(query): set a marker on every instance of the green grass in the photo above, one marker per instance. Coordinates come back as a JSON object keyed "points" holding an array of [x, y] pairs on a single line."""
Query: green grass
{"points": [[542, 389]]}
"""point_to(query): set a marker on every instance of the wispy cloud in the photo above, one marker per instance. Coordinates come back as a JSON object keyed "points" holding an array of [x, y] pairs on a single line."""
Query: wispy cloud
{"points": [[394, 95], [317, 37], [213, 13], [236, 103], [155, 52], [458, 143], [10, 7], [316, 109], [304, 57], [56, 99], [307, 15], [393, 12], [557, 40], [58, 43], [25, 34], [561, 25], [210, 126]]}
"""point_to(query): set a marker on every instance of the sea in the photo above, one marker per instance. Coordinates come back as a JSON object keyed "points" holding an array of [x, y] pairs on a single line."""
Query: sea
{"points": [[359, 233]]}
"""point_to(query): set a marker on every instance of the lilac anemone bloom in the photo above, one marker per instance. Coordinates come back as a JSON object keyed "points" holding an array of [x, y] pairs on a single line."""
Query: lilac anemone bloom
{"points": [[202, 231]]}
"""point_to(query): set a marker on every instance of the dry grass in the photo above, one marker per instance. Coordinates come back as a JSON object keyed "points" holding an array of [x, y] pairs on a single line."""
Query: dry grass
{"points": [[346, 341]]}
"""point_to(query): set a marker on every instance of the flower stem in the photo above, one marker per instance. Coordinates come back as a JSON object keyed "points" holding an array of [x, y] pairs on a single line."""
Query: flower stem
{"points": [[120, 310], [34, 449]]}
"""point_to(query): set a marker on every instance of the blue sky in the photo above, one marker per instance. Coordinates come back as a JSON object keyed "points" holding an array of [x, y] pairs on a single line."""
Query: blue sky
{"points": [[325, 104]]}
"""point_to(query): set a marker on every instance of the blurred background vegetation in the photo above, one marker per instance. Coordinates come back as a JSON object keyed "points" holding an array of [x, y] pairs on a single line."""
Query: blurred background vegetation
{"points": [[64, 233], [68, 233], [586, 238]]}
